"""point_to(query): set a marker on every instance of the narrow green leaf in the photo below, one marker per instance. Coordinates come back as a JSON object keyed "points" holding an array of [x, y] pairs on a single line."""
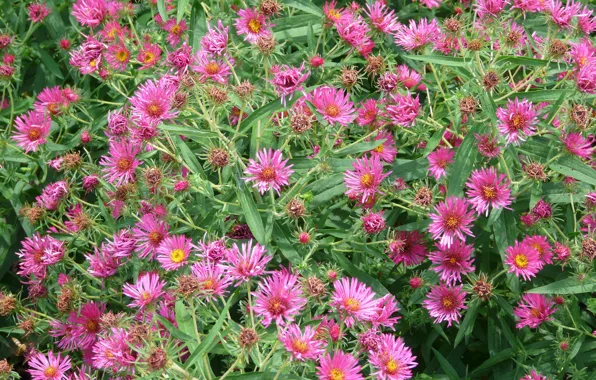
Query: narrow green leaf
{"points": [[253, 218], [280, 236], [568, 286], [446, 366], [538, 96], [176, 333], [161, 8], [462, 166], [182, 5], [365, 146], [50, 63], [410, 169], [439, 60], [360, 274], [573, 167], [305, 6], [197, 134], [467, 325]]}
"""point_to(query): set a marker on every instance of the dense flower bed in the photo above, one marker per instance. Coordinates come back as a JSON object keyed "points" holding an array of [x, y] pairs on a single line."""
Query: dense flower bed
{"points": [[297, 190]]}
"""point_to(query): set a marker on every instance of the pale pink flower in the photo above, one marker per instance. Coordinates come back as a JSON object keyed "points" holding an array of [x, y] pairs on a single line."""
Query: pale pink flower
{"points": [[333, 104], [151, 102], [354, 301], [149, 232], [518, 119], [386, 307], [50, 367], [302, 346], [212, 67], [382, 17], [89, 12], [417, 35], [215, 41], [287, 80], [245, 262], [213, 280], [387, 150], [173, 252], [392, 359], [149, 55], [118, 56], [490, 8], [147, 290], [373, 222], [523, 260], [339, 366]]}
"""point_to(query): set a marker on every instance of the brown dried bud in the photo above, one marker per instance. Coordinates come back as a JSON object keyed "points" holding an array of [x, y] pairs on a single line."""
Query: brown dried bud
{"points": [[109, 320], [218, 158], [315, 287], [124, 191], [558, 48], [188, 285], [8, 303], [158, 358], [28, 326], [187, 80], [300, 122], [589, 248], [349, 77], [468, 105], [580, 115], [266, 45], [270, 7], [475, 44], [513, 38], [5, 368], [138, 333], [295, 208], [244, 90], [491, 80], [535, 171], [153, 176], [217, 95], [424, 197], [33, 213], [37, 291], [247, 337], [483, 288], [64, 301], [453, 25], [375, 64], [72, 161], [180, 99]]}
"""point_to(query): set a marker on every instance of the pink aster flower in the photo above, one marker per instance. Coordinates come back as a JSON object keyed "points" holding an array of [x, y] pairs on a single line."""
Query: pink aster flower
{"points": [[334, 105], [213, 280], [373, 222], [381, 17], [52, 195], [287, 80], [407, 247], [562, 15], [339, 366], [50, 367], [302, 346], [363, 182], [214, 251], [533, 375], [113, 352], [149, 55], [533, 310], [451, 219], [52, 101], [279, 298], [252, 25], [519, 118], [388, 81], [586, 21], [118, 56], [582, 52], [578, 145], [586, 77], [416, 36], [147, 290], [438, 161], [269, 171], [387, 150], [152, 102], [175, 31], [212, 67], [490, 8], [392, 360], [32, 130], [38, 253], [245, 262], [487, 188], [112, 31], [38, 12], [445, 304], [528, 5], [386, 307], [354, 300], [523, 260], [88, 57], [410, 78], [173, 252], [181, 58], [121, 163], [89, 12], [541, 245], [452, 262], [149, 233], [369, 113], [431, 3], [488, 146], [403, 109], [87, 324], [353, 29], [215, 41]]}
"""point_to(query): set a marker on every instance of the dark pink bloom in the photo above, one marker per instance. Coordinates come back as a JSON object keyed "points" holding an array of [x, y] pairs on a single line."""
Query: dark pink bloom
{"points": [[37, 254], [354, 301], [121, 163], [373, 222], [451, 219], [438, 161], [252, 25], [353, 30], [445, 304], [417, 35], [333, 104], [31, 130], [118, 56], [452, 262], [369, 113], [533, 310], [302, 346], [487, 188], [517, 120], [523, 260], [152, 102], [578, 145], [279, 298], [562, 15], [488, 146], [287, 80], [385, 151], [339, 366], [269, 172], [392, 360], [175, 31], [386, 307], [52, 195], [212, 67], [149, 232], [403, 109], [382, 17], [149, 55], [490, 8], [541, 245], [89, 12], [407, 247], [363, 182], [38, 12]]}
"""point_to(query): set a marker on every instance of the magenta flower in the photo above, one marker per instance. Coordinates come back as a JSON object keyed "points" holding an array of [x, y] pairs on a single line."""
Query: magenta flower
{"points": [[410, 78], [152, 102], [38, 12], [407, 247], [213, 280], [533, 310], [528, 5], [215, 41], [287, 80], [586, 21], [89, 12], [452, 262], [270, 171], [487, 188], [252, 25], [245, 262], [38, 253], [147, 290], [32, 130], [175, 31], [382, 18], [363, 182], [339, 366], [114, 352], [333, 104], [445, 304], [541, 245], [490, 8], [431, 3], [533, 375], [438, 161], [563, 14], [121, 163], [52, 195], [50, 367], [373, 222], [118, 56], [523, 260], [386, 307], [451, 219], [149, 55], [388, 81], [586, 77], [392, 360], [488, 146], [518, 119], [353, 29], [369, 113], [212, 67], [149, 232], [403, 109], [578, 145], [214, 251], [416, 36], [279, 298], [387, 150], [173, 252], [87, 324], [51, 101], [353, 300], [302, 346]]}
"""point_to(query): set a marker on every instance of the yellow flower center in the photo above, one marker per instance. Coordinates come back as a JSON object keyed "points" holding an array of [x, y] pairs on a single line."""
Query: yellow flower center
{"points": [[176, 29], [124, 164], [490, 192], [34, 133], [380, 148], [333, 14], [447, 302], [336, 374], [452, 260], [254, 25], [154, 109], [212, 68], [276, 306], [535, 313], [50, 372], [366, 180], [518, 121], [352, 304], [268, 174], [148, 57], [538, 248], [177, 255], [299, 346], [521, 261], [145, 296], [332, 110], [155, 237], [92, 326], [392, 367], [93, 63], [122, 56], [208, 284], [452, 221]]}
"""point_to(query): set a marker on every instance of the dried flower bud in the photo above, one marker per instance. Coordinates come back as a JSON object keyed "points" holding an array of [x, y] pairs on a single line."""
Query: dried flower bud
{"points": [[513, 38], [28, 326], [535, 171], [180, 99], [483, 288], [33, 213], [153, 176], [315, 287], [475, 44], [558, 48], [247, 337], [217, 95], [218, 158], [301, 122], [123, 192], [5, 368], [64, 300], [349, 77], [138, 333], [266, 45], [468, 105], [375, 65], [270, 7], [37, 291], [244, 90], [72, 161], [8, 303], [158, 358], [295, 208], [490, 80], [453, 25], [188, 285], [580, 115], [589, 248], [424, 197], [109, 320]]}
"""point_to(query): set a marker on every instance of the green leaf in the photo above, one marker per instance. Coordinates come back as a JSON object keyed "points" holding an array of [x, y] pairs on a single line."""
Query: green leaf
{"points": [[280, 236], [359, 148], [360, 274], [410, 169], [198, 24], [305, 6], [206, 342], [538, 96], [182, 5], [193, 133], [505, 231], [439, 59], [529, 61], [467, 325], [253, 218], [50, 63], [568, 286], [161, 8], [446, 366], [297, 27], [176, 333], [573, 167], [463, 164]]}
